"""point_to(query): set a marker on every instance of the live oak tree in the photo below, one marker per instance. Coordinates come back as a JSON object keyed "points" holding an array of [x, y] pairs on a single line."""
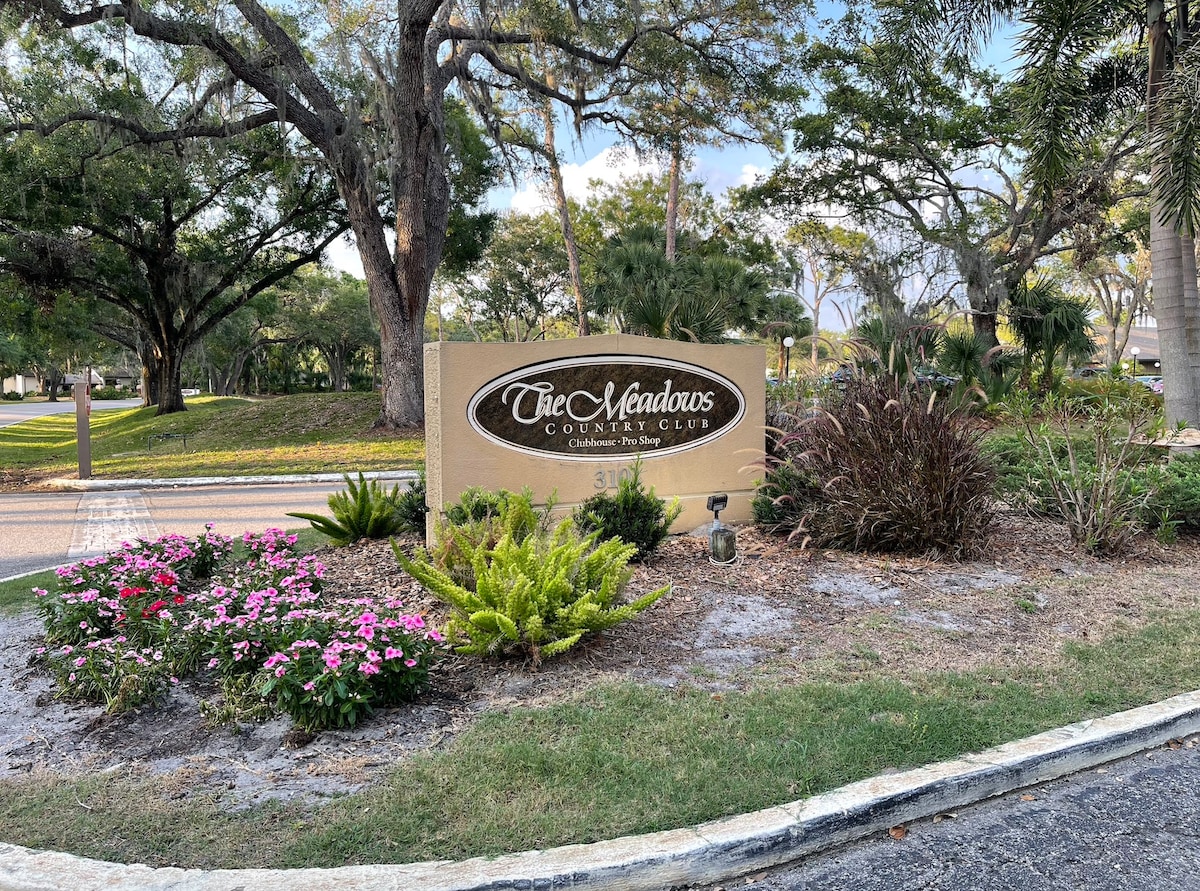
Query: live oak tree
{"points": [[937, 149], [175, 243], [365, 86], [1082, 64], [173, 236]]}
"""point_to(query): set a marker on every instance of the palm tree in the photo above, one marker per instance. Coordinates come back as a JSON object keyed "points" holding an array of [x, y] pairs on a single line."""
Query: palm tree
{"points": [[1048, 322], [783, 316], [698, 298], [1086, 64]]}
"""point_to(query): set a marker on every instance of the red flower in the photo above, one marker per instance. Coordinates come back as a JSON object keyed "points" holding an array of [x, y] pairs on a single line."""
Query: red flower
{"points": [[165, 578], [179, 599], [157, 605], [131, 592]]}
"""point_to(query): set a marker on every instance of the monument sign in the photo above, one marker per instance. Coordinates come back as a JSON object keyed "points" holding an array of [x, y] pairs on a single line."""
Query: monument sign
{"points": [[571, 416]]}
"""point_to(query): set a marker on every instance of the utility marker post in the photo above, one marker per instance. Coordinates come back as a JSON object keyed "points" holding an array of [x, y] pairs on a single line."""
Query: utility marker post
{"points": [[83, 432]]}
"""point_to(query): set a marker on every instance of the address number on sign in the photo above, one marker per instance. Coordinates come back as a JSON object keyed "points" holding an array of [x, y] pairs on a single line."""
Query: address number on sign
{"points": [[611, 478]]}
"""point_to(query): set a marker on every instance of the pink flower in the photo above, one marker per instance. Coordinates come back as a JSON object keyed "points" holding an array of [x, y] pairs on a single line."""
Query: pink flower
{"points": [[332, 660], [393, 653], [369, 668]]}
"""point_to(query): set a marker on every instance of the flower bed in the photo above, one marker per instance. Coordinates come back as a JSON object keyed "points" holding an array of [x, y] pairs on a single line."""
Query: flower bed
{"points": [[122, 627]]}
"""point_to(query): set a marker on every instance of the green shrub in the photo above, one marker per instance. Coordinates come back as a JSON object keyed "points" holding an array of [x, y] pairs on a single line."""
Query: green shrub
{"points": [[1021, 475], [1177, 500], [13, 396], [364, 510], [113, 393], [479, 520], [537, 597], [633, 515], [410, 505], [1102, 497], [882, 468], [1106, 386]]}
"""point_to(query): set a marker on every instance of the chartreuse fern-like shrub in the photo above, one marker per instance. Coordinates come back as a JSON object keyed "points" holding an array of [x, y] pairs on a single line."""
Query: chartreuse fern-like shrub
{"points": [[364, 510], [633, 515], [478, 521], [881, 468], [536, 597]]}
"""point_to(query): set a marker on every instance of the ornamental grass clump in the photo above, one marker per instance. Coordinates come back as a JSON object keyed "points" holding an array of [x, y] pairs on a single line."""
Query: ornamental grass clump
{"points": [[123, 627], [882, 468], [536, 597]]}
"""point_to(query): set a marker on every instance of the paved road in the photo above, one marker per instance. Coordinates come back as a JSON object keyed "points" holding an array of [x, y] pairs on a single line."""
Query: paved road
{"points": [[1133, 825], [15, 412], [43, 529]]}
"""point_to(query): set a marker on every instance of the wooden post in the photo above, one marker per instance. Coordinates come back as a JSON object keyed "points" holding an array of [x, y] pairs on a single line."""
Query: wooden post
{"points": [[83, 432]]}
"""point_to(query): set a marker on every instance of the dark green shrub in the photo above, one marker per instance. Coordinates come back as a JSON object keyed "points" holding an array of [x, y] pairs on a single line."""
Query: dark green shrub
{"points": [[364, 510], [633, 515], [113, 393], [1177, 500], [411, 507], [882, 468], [13, 396]]}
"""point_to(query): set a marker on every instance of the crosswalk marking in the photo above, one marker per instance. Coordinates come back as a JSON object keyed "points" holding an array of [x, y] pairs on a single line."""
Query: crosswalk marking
{"points": [[104, 520]]}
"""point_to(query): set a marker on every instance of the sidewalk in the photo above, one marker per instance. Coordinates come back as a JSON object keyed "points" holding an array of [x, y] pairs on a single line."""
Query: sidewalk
{"points": [[77, 485]]}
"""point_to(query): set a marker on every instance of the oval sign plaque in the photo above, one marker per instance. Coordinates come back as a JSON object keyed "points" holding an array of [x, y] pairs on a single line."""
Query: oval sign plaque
{"points": [[587, 407]]}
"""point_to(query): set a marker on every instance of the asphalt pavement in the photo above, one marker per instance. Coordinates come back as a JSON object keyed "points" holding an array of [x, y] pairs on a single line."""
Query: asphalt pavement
{"points": [[40, 530], [15, 412], [1131, 825]]}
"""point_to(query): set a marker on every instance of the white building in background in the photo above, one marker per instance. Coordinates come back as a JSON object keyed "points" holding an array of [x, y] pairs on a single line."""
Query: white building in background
{"points": [[27, 384], [22, 383]]}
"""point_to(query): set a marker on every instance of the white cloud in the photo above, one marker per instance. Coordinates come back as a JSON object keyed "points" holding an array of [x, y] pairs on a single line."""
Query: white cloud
{"points": [[750, 174], [612, 165]]}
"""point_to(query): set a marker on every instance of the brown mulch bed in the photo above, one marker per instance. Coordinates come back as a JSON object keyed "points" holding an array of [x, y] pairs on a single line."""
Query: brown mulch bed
{"points": [[779, 615]]}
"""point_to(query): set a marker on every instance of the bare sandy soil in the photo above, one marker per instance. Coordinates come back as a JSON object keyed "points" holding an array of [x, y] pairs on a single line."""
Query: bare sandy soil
{"points": [[777, 616]]}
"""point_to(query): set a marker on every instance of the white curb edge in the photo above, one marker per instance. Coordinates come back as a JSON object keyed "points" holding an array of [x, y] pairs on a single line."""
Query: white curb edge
{"points": [[711, 852], [76, 485]]}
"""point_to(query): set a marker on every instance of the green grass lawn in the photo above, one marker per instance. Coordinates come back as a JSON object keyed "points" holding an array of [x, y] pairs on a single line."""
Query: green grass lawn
{"points": [[308, 433], [614, 760]]}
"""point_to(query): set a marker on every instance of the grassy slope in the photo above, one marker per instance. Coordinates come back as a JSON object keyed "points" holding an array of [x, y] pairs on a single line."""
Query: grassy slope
{"points": [[295, 434]]}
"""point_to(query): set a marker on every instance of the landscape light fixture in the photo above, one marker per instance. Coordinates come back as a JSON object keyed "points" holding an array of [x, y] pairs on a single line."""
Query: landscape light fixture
{"points": [[788, 343], [722, 540]]}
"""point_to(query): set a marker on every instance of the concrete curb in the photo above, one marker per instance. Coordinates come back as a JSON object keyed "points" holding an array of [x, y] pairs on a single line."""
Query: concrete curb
{"points": [[711, 852], [191, 481]]}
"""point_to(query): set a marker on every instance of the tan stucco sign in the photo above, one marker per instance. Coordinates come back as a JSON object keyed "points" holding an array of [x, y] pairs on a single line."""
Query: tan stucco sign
{"points": [[572, 416]]}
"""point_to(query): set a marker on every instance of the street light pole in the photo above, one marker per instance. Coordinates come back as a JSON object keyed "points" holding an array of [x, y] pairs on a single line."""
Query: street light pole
{"points": [[788, 343]]}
